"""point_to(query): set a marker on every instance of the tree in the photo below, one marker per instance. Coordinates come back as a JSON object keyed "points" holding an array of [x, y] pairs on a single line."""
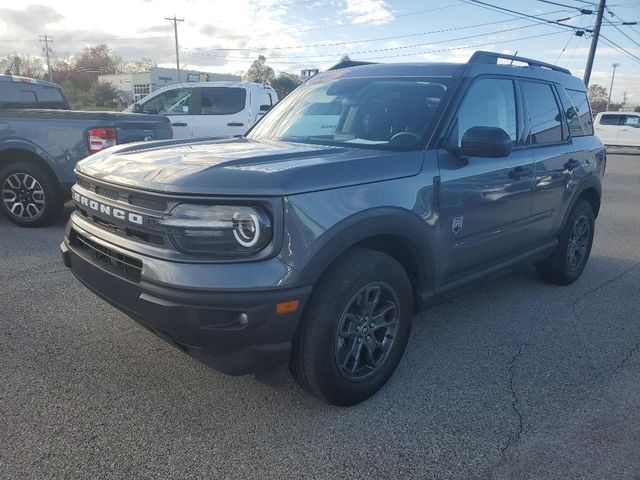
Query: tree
{"points": [[345, 58], [103, 95], [284, 83], [598, 98], [260, 72], [137, 66], [22, 65], [637, 109]]}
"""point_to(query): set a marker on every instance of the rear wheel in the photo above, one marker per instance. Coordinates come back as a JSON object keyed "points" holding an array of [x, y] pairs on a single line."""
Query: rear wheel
{"points": [[355, 328], [568, 261], [29, 196]]}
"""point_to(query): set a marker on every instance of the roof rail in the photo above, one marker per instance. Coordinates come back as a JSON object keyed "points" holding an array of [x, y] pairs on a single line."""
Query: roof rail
{"points": [[349, 63], [492, 57]]}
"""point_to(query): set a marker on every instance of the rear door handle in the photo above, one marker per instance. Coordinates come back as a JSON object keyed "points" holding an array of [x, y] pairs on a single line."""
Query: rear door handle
{"points": [[179, 124], [572, 164], [519, 172], [235, 124]]}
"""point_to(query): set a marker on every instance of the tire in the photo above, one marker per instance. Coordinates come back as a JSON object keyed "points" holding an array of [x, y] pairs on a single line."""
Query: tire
{"points": [[563, 267], [29, 196], [347, 348]]}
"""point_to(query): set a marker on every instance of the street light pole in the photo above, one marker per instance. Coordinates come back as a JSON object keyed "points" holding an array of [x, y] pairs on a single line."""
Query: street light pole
{"points": [[175, 21], [615, 65]]}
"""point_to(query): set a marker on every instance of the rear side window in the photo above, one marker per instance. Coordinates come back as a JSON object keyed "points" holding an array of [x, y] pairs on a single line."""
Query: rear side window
{"points": [[581, 103], [611, 119], [571, 114], [30, 95], [545, 120], [222, 100], [632, 120], [488, 103]]}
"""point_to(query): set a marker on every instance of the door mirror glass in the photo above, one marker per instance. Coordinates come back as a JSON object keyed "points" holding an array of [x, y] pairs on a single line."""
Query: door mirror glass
{"points": [[489, 142]]}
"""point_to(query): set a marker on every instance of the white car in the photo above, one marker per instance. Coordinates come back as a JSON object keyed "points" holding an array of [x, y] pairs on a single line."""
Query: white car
{"points": [[209, 109], [618, 128]]}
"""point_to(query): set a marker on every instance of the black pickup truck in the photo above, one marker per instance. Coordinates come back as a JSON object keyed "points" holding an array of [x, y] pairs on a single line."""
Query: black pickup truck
{"points": [[41, 141]]}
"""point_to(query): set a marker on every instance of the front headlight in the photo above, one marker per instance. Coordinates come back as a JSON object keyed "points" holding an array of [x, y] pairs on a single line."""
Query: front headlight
{"points": [[223, 230]]}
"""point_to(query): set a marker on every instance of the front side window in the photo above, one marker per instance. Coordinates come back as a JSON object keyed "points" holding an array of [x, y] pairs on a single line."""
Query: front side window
{"points": [[545, 120], [171, 102], [489, 102], [384, 113], [222, 100]]}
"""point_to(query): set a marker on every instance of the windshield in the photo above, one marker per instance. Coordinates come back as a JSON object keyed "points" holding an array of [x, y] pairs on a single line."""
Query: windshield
{"points": [[393, 113]]}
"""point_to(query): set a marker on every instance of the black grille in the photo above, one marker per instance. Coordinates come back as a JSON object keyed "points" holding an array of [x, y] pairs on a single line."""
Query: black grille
{"points": [[122, 265], [108, 193], [148, 203]]}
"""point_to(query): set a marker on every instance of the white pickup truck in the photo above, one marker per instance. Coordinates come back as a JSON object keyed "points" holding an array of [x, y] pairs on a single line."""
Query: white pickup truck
{"points": [[618, 128], [207, 109]]}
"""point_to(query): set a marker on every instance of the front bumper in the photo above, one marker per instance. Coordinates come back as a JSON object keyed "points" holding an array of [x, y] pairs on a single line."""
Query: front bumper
{"points": [[203, 323]]}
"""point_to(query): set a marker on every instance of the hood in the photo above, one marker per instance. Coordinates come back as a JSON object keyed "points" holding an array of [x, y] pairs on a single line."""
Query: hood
{"points": [[241, 166]]}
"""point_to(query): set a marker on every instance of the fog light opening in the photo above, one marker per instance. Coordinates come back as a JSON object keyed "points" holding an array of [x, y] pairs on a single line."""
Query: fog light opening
{"points": [[243, 319]]}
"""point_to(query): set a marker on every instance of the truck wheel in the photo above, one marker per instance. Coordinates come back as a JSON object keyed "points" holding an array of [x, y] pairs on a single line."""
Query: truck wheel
{"points": [[355, 328], [29, 195], [571, 255]]}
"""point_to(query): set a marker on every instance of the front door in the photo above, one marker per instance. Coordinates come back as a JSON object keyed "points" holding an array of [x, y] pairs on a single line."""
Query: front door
{"points": [[629, 133], [177, 105], [485, 202]]}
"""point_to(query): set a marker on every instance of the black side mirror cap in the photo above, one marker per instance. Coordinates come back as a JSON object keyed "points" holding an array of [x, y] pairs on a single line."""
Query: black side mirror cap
{"points": [[137, 108], [489, 142], [265, 108]]}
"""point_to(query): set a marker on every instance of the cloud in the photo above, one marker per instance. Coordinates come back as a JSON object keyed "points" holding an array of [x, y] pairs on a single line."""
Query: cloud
{"points": [[368, 11], [31, 19]]}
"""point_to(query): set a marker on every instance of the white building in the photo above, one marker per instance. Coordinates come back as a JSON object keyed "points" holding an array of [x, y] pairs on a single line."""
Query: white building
{"points": [[134, 86]]}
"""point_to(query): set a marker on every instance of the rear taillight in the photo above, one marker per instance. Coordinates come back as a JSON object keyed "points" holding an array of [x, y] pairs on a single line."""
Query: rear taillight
{"points": [[101, 138]]}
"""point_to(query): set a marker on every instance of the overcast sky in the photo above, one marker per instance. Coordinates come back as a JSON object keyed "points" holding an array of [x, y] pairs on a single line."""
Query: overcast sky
{"points": [[225, 36]]}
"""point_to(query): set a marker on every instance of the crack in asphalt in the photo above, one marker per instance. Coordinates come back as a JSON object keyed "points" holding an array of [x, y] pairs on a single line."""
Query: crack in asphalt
{"points": [[602, 285], [627, 357], [515, 438]]}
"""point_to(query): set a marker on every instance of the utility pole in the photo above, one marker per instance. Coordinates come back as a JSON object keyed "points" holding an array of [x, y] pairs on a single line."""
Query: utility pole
{"points": [[594, 42], [624, 100], [615, 65], [45, 39], [175, 21]]}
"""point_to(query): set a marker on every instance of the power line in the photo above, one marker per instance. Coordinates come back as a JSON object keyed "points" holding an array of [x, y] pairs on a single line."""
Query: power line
{"points": [[622, 32], [613, 44]]}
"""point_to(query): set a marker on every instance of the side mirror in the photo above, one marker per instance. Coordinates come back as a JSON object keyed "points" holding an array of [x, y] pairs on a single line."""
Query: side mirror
{"points": [[137, 108], [265, 108], [489, 142]]}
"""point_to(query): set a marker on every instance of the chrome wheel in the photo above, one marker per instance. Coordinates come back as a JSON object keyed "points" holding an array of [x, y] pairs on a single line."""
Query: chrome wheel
{"points": [[23, 196], [366, 331], [578, 243]]}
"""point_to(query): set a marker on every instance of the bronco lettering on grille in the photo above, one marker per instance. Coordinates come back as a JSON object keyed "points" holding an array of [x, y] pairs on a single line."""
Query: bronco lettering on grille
{"points": [[108, 210]]}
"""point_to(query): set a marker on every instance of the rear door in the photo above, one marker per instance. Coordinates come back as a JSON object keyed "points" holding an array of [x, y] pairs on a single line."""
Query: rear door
{"points": [[629, 132], [176, 104], [558, 156], [221, 111], [485, 202]]}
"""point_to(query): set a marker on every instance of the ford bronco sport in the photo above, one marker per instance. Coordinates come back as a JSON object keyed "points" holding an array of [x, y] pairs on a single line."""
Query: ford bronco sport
{"points": [[364, 195]]}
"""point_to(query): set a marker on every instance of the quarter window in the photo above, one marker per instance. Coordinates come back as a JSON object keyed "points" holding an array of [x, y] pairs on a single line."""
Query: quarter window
{"points": [[488, 103], [581, 103], [545, 121]]}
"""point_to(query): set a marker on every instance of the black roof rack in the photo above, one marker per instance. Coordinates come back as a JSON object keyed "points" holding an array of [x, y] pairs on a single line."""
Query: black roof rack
{"points": [[349, 63], [492, 57]]}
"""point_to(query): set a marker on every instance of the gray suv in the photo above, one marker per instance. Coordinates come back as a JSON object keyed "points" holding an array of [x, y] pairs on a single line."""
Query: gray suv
{"points": [[358, 200]]}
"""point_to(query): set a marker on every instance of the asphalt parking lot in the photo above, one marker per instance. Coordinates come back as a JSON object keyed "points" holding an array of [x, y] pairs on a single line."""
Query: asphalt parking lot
{"points": [[515, 379]]}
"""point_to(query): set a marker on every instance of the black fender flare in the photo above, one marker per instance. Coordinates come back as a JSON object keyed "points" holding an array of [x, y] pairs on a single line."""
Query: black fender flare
{"points": [[22, 144], [417, 234]]}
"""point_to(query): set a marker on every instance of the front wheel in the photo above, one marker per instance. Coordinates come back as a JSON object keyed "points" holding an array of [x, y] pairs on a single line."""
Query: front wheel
{"points": [[568, 261], [30, 197], [355, 328]]}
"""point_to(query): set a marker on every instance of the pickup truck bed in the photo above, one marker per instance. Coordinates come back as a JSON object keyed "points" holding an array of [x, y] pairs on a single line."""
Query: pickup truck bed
{"points": [[40, 148]]}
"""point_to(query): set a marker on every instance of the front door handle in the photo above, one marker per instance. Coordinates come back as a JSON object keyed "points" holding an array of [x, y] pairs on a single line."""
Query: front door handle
{"points": [[235, 124], [572, 164], [519, 172], [179, 124]]}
